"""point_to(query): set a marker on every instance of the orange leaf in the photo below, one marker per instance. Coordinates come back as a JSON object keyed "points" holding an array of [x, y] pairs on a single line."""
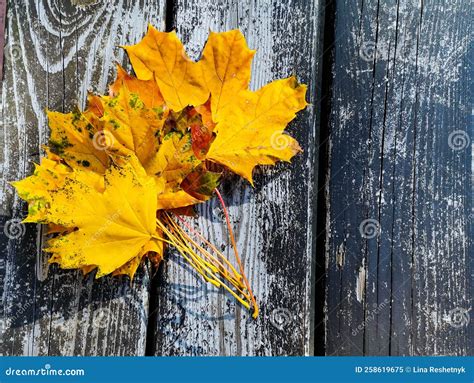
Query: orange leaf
{"points": [[147, 91]]}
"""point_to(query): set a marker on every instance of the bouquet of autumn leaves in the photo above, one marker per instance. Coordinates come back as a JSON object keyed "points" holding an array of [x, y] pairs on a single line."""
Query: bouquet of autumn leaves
{"points": [[118, 176]]}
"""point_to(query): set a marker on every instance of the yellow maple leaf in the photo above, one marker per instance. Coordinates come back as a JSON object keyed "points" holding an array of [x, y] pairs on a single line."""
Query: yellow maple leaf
{"points": [[174, 160], [37, 188], [134, 130], [74, 137], [161, 56], [121, 219], [250, 131], [250, 125], [153, 249], [132, 125], [226, 64], [49, 176]]}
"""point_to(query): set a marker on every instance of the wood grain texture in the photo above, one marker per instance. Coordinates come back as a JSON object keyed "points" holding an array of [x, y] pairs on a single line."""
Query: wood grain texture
{"points": [[56, 51], [273, 222], [398, 189], [399, 222], [3, 15]]}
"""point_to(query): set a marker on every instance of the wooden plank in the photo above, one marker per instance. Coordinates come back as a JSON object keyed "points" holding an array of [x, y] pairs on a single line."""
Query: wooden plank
{"points": [[55, 52], [443, 188], [3, 15], [273, 221], [399, 192]]}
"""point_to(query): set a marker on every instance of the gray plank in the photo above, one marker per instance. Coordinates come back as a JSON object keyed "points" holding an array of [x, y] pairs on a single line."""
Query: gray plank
{"points": [[399, 99], [55, 52], [273, 222]]}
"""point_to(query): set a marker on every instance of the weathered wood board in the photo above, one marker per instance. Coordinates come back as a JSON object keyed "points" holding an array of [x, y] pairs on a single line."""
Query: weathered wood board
{"points": [[397, 194], [273, 221], [56, 51], [399, 206]]}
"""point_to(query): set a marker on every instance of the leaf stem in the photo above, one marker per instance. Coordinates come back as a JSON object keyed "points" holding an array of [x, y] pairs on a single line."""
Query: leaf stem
{"points": [[236, 253], [215, 269]]}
